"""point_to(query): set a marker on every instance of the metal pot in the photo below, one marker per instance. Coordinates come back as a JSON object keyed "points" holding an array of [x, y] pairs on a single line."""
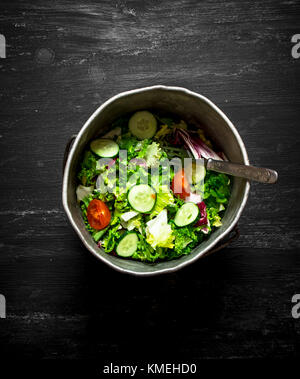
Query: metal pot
{"points": [[193, 108]]}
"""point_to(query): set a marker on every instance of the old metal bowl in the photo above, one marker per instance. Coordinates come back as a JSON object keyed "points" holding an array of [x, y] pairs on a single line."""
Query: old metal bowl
{"points": [[192, 107]]}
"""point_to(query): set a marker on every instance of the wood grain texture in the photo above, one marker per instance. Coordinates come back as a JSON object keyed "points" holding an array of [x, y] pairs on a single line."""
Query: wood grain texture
{"points": [[63, 60]]}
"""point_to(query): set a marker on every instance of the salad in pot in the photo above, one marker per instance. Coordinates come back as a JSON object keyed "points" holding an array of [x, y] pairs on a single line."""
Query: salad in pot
{"points": [[144, 191]]}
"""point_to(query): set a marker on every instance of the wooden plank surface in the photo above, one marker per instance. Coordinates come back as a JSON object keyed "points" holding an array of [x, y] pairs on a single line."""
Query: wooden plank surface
{"points": [[63, 60]]}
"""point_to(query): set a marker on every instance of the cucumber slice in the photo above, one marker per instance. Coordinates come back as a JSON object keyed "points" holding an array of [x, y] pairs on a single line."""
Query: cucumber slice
{"points": [[186, 214], [142, 198], [104, 147], [143, 125], [128, 245]]}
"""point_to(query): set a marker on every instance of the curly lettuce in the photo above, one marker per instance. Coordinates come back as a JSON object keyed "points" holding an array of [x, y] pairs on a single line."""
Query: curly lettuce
{"points": [[88, 169], [164, 198], [216, 196]]}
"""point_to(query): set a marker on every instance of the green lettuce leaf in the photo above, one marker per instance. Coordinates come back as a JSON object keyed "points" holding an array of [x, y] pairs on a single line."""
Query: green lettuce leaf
{"points": [[186, 239], [164, 198], [145, 252], [88, 172], [216, 196], [153, 154]]}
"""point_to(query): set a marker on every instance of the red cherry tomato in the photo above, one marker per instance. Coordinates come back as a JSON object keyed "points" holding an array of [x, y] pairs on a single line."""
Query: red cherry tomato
{"points": [[98, 214], [180, 185]]}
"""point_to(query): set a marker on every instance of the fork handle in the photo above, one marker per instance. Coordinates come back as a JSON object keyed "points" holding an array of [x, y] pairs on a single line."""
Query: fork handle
{"points": [[259, 174]]}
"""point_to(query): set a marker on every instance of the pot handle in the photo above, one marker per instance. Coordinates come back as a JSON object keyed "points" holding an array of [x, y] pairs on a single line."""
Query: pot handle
{"points": [[67, 150], [234, 235]]}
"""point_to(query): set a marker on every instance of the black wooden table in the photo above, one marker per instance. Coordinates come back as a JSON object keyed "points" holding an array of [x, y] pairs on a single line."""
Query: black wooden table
{"points": [[63, 59]]}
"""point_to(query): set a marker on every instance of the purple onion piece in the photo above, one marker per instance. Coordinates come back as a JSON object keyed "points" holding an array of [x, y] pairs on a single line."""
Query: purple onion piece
{"points": [[197, 147], [203, 215]]}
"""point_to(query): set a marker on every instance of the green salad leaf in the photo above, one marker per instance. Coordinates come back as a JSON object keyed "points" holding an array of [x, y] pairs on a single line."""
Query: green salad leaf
{"points": [[153, 154], [186, 239], [145, 252], [87, 174], [216, 196], [164, 198]]}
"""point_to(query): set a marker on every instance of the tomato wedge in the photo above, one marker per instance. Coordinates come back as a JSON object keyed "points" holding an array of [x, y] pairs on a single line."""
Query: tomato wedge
{"points": [[180, 185], [98, 214]]}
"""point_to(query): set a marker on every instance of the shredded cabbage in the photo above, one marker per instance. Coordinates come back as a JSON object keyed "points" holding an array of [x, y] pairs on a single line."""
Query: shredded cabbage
{"points": [[159, 232], [83, 191]]}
